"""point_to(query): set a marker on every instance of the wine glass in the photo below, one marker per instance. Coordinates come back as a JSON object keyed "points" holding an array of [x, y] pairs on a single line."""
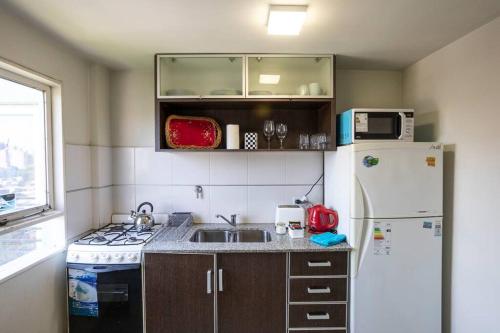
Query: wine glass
{"points": [[268, 132], [281, 131]]}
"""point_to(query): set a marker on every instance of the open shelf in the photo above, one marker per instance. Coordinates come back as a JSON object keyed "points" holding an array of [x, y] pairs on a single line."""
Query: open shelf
{"points": [[301, 116]]}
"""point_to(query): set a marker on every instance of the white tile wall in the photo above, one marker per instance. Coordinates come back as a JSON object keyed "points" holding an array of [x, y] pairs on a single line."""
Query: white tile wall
{"points": [[190, 168], [227, 200], [152, 168], [266, 168], [228, 168], [78, 167], [262, 202], [123, 198], [159, 196], [303, 167], [248, 184], [102, 205], [101, 166], [78, 212], [123, 166], [184, 200]]}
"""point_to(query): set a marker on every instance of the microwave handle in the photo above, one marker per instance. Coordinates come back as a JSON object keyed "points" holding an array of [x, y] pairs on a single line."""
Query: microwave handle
{"points": [[402, 122]]}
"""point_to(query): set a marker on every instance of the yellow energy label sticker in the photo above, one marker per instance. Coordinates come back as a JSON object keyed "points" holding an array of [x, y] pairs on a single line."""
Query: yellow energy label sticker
{"points": [[431, 161], [382, 235]]}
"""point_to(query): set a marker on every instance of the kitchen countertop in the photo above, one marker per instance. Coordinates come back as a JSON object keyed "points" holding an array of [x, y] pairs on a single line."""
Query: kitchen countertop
{"points": [[174, 240]]}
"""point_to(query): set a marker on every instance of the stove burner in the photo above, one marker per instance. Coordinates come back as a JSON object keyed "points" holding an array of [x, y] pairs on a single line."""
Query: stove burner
{"points": [[98, 240], [116, 228], [132, 239]]}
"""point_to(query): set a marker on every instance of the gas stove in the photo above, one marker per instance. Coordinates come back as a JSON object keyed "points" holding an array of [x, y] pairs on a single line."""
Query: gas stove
{"points": [[116, 243]]}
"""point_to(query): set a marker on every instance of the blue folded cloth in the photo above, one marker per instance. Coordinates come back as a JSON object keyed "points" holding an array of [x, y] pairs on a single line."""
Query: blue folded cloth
{"points": [[327, 239]]}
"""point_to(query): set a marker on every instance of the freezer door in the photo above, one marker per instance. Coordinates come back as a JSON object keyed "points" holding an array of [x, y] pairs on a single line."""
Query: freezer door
{"points": [[397, 180], [396, 276]]}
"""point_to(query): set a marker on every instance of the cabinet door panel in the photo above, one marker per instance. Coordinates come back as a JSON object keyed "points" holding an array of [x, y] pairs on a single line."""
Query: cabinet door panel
{"points": [[253, 296], [176, 293]]}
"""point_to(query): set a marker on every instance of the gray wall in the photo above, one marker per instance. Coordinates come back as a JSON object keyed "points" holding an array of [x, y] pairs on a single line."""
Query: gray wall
{"points": [[456, 93]]}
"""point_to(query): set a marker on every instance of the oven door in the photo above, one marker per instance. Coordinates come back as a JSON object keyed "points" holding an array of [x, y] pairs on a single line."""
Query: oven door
{"points": [[104, 298], [378, 125]]}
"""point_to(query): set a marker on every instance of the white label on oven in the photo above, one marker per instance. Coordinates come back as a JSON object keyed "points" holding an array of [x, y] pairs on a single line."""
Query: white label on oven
{"points": [[361, 121]]}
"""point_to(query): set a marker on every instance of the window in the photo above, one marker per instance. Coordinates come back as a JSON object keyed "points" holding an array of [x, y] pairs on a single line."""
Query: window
{"points": [[25, 147], [30, 230]]}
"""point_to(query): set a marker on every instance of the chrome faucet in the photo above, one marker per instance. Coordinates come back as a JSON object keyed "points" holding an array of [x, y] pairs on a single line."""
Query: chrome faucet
{"points": [[233, 219]]}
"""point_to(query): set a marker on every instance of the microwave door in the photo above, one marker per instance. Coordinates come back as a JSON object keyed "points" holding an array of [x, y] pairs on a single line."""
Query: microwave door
{"points": [[378, 125]]}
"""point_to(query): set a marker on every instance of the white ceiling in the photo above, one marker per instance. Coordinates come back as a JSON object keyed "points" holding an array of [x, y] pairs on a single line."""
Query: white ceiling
{"points": [[373, 34]]}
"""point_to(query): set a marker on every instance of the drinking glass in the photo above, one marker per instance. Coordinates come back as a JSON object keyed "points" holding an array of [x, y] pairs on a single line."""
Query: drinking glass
{"points": [[281, 131], [322, 141], [314, 142], [268, 132], [304, 141]]}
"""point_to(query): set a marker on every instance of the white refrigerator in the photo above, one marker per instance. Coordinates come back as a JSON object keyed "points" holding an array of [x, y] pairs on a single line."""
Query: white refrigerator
{"points": [[389, 197]]}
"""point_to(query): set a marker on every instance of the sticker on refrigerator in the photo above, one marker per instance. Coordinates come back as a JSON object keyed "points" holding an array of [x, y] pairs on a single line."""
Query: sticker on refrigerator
{"points": [[431, 161], [370, 161], [361, 121], [82, 293], [437, 230], [382, 238]]}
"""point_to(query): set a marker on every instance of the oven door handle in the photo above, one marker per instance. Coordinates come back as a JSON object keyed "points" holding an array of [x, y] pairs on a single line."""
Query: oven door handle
{"points": [[103, 268]]}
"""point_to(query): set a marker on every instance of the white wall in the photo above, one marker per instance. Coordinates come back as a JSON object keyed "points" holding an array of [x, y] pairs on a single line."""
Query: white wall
{"points": [[456, 94], [34, 300], [368, 89]]}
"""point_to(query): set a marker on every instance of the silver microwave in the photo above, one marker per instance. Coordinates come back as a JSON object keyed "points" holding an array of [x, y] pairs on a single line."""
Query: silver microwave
{"points": [[369, 125]]}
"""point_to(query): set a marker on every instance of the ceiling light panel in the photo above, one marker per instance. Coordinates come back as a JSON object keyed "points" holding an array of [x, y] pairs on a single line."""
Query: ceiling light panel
{"points": [[286, 20]]}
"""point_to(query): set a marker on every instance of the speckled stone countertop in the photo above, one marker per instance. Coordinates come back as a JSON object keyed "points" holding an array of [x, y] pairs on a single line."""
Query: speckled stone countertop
{"points": [[170, 240]]}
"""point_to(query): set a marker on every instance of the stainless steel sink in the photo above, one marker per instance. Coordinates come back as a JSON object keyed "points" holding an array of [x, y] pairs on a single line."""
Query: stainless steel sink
{"points": [[249, 236], [211, 236], [231, 236]]}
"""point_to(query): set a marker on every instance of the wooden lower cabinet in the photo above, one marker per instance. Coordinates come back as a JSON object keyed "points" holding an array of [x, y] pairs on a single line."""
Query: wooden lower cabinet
{"points": [[253, 295], [250, 289], [176, 296]]}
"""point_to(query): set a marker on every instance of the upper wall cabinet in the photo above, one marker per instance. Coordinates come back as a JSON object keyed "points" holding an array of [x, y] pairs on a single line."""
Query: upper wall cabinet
{"points": [[200, 76], [264, 76], [289, 76]]}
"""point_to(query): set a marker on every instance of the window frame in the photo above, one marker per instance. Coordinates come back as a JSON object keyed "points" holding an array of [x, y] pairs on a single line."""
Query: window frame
{"points": [[18, 216]]}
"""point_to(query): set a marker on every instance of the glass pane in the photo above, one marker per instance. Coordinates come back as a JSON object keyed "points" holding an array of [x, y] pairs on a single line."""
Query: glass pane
{"points": [[24, 246], [23, 180], [195, 76], [305, 76]]}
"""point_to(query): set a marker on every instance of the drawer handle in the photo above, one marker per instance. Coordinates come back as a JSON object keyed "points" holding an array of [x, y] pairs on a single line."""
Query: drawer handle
{"points": [[318, 290], [319, 263], [318, 316]]}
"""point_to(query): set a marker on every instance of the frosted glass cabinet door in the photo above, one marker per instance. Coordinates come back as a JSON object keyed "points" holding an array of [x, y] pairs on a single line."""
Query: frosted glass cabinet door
{"points": [[285, 76], [194, 76]]}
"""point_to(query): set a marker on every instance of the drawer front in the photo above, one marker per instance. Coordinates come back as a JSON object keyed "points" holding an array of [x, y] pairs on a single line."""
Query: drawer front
{"points": [[317, 315], [318, 263], [318, 290]]}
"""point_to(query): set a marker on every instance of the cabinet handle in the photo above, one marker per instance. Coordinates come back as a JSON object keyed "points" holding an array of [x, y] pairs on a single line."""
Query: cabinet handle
{"points": [[220, 280], [318, 290], [209, 281], [318, 316], [319, 263]]}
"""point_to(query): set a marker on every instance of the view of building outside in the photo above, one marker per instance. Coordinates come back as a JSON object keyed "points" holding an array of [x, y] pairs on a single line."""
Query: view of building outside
{"points": [[23, 180]]}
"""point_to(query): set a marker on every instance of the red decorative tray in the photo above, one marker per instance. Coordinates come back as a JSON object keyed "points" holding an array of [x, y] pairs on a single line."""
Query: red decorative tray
{"points": [[185, 132]]}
